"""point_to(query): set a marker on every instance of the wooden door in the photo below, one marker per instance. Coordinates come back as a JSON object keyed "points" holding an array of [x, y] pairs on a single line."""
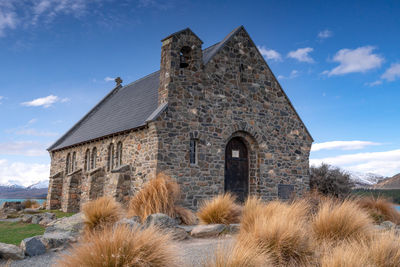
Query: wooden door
{"points": [[237, 169]]}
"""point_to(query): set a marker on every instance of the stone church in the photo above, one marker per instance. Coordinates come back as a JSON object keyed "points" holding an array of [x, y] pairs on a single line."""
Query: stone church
{"points": [[214, 119]]}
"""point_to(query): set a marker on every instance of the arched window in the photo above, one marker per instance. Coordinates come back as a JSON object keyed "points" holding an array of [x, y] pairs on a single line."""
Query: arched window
{"points": [[94, 158], [73, 163], [67, 163], [87, 160], [110, 164], [184, 56], [119, 154]]}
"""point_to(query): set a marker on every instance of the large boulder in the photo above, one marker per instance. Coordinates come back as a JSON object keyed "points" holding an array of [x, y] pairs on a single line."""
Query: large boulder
{"points": [[58, 239], [11, 205], [33, 246], [209, 230], [73, 224], [27, 218], [130, 222], [11, 252], [167, 225], [30, 211], [43, 218]]}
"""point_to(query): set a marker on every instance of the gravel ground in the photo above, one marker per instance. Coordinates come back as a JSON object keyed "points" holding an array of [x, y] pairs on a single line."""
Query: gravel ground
{"points": [[193, 252]]}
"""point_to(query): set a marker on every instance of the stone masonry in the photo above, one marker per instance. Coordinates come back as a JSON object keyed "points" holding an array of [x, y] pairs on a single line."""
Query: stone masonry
{"points": [[232, 94]]}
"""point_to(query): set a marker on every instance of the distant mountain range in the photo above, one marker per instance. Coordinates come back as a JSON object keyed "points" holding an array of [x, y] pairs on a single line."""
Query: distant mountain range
{"points": [[37, 190], [362, 180], [389, 183]]}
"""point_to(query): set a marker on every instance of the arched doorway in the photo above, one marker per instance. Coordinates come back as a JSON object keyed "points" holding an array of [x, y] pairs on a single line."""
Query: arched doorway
{"points": [[237, 168]]}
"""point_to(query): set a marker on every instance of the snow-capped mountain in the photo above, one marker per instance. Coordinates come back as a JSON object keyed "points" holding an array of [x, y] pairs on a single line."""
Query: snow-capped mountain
{"points": [[41, 184], [365, 179]]}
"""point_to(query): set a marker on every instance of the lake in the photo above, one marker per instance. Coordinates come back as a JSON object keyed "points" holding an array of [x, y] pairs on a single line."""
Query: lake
{"points": [[398, 208], [15, 200]]}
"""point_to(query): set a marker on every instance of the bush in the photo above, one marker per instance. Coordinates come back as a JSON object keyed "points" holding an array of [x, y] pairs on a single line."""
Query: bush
{"points": [[187, 216], [220, 209], [345, 255], [245, 253], [341, 221], [159, 195], [330, 181], [280, 231], [380, 209], [101, 213], [30, 204], [123, 247]]}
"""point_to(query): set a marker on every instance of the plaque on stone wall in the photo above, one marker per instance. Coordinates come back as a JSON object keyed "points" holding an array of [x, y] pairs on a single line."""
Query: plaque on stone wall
{"points": [[285, 191], [235, 153]]}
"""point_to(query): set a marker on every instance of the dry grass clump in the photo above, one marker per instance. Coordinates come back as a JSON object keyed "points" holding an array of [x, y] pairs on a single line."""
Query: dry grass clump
{"points": [[245, 253], [345, 255], [220, 209], [101, 213], [380, 209], [341, 221], [279, 230], [30, 204], [159, 195], [122, 246], [384, 250]]}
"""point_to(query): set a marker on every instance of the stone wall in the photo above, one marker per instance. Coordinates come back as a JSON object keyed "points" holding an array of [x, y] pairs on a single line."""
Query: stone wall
{"points": [[235, 94], [139, 150]]}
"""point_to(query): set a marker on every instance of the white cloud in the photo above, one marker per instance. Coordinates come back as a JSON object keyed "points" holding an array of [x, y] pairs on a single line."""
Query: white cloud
{"points": [[375, 83], [1, 98], [32, 121], [46, 102], [23, 148], [361, 59], [342, 145], [392, 73], [293, 74], [109, 79], [8, 18], [302, 54], [23, 173], [269, 53], [325, 34], [386, 163], [34, 132]]}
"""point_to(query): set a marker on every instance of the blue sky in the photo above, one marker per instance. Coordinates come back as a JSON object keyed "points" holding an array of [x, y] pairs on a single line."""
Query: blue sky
{"points": [[338, 61]]}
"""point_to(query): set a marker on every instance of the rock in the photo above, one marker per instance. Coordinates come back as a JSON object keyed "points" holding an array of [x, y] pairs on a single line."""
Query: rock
{"points": [[58, 239], [33, 246], [45, 221], [11, 205], [234, 228], [209, 230], [177, 233], [36, 219], [72, 224], [160, 220], [27, 218], [30, 211], [132, 223], [388, 225], [187, 228], [11, 252]]}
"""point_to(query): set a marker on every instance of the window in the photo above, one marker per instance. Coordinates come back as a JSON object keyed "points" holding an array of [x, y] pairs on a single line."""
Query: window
{"points": [[119, 154], [193, 151], [73, 163], [184, 56], [67, 163], [110, 164], [94, 158], [87, 160]]}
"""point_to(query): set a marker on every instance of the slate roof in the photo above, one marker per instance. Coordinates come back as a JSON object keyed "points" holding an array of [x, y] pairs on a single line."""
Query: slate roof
{"points": [[127, 107]]}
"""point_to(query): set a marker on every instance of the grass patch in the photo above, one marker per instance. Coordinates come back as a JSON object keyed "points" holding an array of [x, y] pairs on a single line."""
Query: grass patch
{"points": [[15, 232]]}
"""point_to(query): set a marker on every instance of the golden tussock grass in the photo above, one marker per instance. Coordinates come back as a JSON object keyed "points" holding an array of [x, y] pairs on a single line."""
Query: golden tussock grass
{"points": [[101, 213], [380, 209], [345, 255], [29, 203], [220, 209], [122, 246], [278, 230], [245, 253], [384, 249], [338, 221], [186, 215], [158, 195]]}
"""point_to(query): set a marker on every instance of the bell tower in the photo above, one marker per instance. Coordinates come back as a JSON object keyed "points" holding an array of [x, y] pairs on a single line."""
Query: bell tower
{"points": [[181, 58]]}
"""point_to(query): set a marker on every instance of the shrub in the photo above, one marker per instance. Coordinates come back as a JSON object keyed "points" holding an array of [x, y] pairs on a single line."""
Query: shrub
{"points": [[239, 254], [159, 195], [345, 255], [341, 221], [330, 181], [279, 231], [252, 210], [384, 250], [30, 204], [380, 209], [101, 213], [220, 209], [187, 216], [122, 246]]}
